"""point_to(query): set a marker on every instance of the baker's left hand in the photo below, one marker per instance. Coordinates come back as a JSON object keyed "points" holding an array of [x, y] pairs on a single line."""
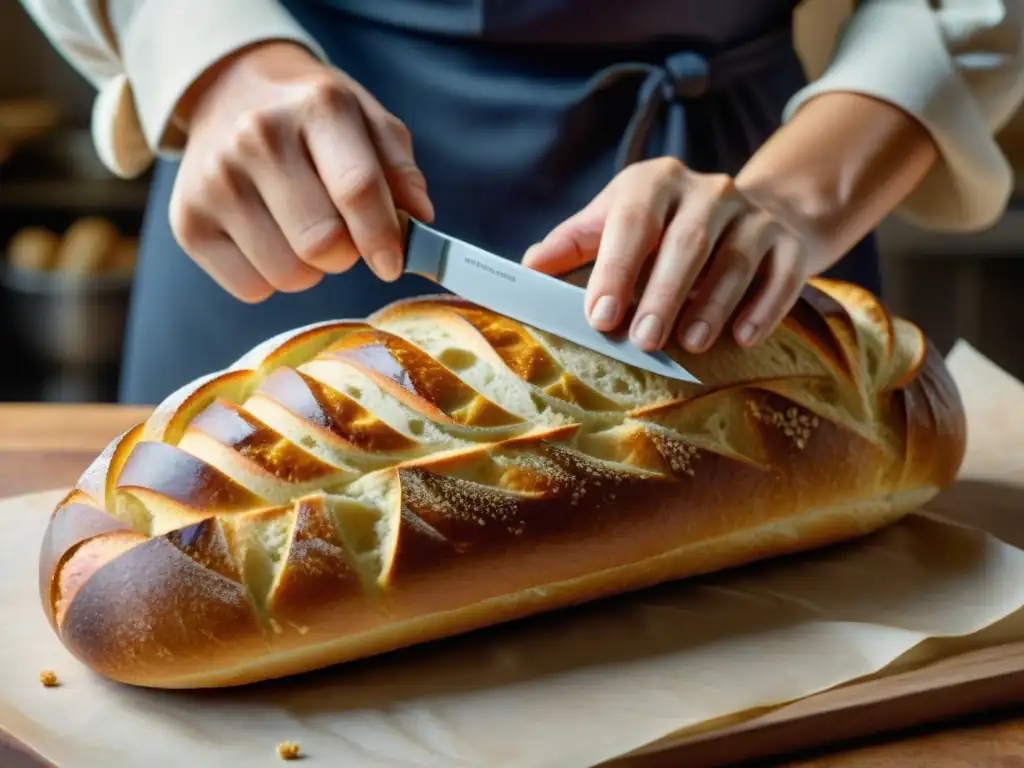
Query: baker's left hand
{"points": [[703, 243]]}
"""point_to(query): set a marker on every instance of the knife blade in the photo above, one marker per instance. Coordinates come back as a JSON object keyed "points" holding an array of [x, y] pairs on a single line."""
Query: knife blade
{"points": [[523, 294]]}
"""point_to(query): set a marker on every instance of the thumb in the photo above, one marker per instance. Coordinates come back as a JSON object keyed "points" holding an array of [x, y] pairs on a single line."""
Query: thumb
{"points": [[570, 245]]}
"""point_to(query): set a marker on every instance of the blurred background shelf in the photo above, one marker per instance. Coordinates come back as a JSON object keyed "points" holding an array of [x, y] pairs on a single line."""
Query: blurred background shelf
{"points": [[66, 222], [961, 285], [73, 194]]}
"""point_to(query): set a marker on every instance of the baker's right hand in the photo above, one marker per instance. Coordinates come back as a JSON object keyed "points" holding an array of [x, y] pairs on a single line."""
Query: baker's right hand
{"points": [[292, 170]]}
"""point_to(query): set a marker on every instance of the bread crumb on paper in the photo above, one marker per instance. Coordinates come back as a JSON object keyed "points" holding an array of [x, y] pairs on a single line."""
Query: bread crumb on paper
{"points": [[48, 679], [288, 750]]}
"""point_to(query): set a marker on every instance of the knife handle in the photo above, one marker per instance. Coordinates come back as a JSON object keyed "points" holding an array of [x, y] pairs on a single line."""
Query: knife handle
{"points": [[579, 276], [424, 248], [403, 229]]}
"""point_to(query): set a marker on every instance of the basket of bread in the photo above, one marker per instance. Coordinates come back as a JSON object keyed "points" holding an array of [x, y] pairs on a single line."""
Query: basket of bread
{"points": [[68, 293]]}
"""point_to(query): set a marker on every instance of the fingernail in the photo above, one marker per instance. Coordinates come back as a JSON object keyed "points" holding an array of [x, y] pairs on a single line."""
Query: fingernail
{"points": [[745, 333], [648, 331], [605, 312], [387, 265], [697, 335], [530, 251]]}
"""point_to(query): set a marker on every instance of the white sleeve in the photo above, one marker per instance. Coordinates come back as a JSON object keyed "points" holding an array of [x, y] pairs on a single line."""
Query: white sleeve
{"points": [[955, 65], [142, 56]]}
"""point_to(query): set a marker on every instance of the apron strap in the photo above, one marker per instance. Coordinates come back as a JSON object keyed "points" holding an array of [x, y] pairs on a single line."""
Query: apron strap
{"points": [[683, 77]]}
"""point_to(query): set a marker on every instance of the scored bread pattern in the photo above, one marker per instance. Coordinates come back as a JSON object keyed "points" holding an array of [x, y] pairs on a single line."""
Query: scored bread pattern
{"points": [[347, 458]]}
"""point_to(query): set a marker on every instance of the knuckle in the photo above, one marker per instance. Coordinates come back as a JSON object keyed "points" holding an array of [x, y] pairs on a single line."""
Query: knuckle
{"points": [[664, 172], [761, 227], [661, 300], [667, 167], [312, 240], [405, 171], [327, 92], [396, 128], [223, 183], [748, 241], [698, 241], [743, 254], [256, 133], [356, 186], [639, 217], [186, 223], [761, 220], [689, 240], [613, 274], [721, 185]]}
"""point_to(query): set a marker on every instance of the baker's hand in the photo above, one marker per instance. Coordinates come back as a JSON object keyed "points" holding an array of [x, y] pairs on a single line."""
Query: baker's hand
{"points": [[702, 244], [292, 170]]}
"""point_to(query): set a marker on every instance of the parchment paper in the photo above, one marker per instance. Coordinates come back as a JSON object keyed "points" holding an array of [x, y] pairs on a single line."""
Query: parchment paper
{"points": [[562, 690]]}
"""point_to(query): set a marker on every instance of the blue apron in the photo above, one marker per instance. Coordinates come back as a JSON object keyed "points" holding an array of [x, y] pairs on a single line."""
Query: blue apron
{"points": [[520, 111]]}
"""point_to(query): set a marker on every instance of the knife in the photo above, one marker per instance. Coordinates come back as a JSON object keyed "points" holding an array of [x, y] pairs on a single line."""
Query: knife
{"points": [[523, 294]]}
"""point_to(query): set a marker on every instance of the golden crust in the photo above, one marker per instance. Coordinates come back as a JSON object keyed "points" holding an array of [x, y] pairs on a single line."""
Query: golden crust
{"points": [[350, 488]]}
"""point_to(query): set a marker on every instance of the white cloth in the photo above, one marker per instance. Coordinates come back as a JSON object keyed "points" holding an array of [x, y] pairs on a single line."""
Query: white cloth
{"points": [[956, 65]]}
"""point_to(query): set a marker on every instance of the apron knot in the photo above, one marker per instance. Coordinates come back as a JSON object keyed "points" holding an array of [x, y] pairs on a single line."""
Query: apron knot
{"points": [[682, 78], [688, 75]]}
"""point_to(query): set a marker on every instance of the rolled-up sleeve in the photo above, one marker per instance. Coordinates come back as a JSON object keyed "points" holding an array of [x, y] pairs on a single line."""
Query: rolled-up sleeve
{"points": [[143, 55], [957, 67]]}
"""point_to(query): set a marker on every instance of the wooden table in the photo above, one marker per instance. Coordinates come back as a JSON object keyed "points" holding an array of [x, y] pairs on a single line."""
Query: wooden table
{"points": [[44, 447]]}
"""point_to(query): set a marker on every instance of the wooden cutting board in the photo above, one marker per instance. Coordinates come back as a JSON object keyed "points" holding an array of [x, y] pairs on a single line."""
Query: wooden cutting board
{"points": [[978, 681]]}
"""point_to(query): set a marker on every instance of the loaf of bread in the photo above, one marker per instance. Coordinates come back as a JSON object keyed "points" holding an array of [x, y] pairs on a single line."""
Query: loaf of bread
{"points": [[33, 248], [353, 487], [87, 246]]}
